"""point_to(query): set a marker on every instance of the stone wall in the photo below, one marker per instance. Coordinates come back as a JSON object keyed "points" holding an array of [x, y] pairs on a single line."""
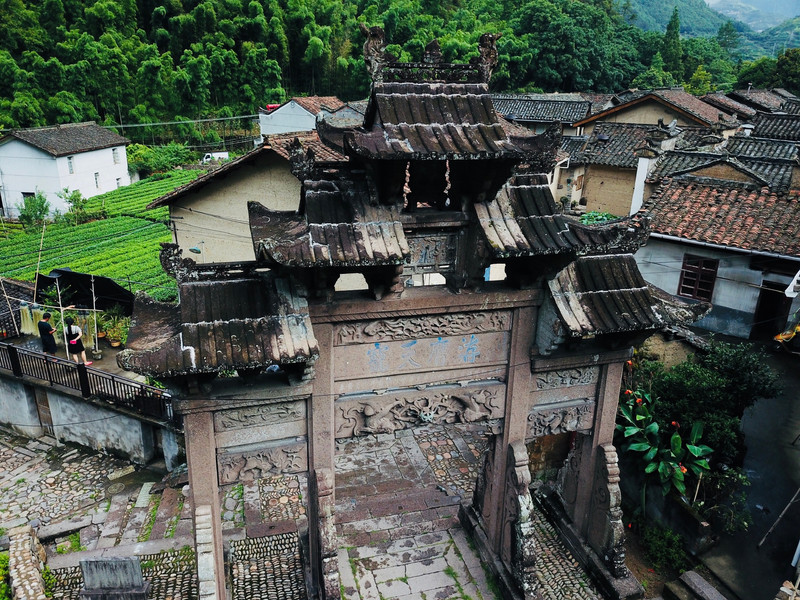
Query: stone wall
{"points": [[26, 559], [18, 408]]}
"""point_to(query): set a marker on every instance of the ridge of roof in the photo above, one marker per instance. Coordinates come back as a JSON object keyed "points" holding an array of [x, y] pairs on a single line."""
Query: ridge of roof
{"points": [[68, 138]]}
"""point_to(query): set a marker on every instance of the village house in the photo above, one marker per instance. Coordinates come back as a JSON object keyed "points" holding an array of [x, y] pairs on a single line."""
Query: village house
{"points": [[433, 184], [300, 114], [760, 99], [734, 243], [209, 215], [81, 156], [538, 111]]}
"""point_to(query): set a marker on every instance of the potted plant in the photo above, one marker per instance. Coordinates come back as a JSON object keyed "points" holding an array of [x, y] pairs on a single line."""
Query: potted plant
{"points": [[117, 330]]}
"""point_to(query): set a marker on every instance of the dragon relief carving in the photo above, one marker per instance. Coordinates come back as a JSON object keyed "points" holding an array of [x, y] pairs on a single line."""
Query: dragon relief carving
{"points": [[576, 417], [568, 377], [254, 465], [420, 327], [259, 415], [371, 417]]}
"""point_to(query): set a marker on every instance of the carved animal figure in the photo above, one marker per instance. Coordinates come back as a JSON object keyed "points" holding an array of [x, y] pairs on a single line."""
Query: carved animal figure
{"points": [[374, 48], [487, 49], [473, 411], [379, 420]]}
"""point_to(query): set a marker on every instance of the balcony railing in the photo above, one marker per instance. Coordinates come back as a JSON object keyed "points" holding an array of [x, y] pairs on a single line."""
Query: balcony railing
{"points": [[89, 383]]}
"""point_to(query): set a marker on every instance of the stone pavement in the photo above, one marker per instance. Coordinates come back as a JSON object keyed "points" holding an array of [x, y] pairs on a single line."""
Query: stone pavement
{"points": [[397, 499], [397, 502]]}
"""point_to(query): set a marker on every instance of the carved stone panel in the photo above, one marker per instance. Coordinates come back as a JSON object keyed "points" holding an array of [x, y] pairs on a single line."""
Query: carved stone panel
{"points": [[368, 414], [253, 416], [432, 253], [385, 330], [549, 380], [549, 420], [254, 464]]}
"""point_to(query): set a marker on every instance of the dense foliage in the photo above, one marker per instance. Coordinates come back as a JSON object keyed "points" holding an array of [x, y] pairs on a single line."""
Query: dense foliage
{"points": [[146, 61]]}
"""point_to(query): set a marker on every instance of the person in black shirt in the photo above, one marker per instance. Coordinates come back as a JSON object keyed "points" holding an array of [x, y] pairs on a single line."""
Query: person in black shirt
{"points": [[75, 344], [46, 332]]}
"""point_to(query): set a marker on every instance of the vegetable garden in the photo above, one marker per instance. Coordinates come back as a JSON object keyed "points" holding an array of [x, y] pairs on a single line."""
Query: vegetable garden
{"points": [[124, 247]]}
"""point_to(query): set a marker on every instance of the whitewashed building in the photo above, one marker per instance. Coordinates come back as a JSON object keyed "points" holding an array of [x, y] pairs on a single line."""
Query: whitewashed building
{"points": [[80, 156]]}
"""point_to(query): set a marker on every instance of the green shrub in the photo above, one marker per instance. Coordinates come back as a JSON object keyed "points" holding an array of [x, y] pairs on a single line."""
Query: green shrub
{"points": [[665, 548], [34, 210], [5, 584], [596, 216]]}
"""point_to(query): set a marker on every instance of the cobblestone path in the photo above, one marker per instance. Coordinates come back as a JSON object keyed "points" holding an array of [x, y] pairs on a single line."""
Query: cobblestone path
{"points": [[268, 568], [172, 576], [42, 482]]}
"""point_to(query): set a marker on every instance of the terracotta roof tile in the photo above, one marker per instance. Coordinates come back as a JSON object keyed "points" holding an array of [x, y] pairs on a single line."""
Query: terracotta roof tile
{"points": [[729, 105], [62, 140], [727, 214], [309, 139], [315, 104], [760, 99]]}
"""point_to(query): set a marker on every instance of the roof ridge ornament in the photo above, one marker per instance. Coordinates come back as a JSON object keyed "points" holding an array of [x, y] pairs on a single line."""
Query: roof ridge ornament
{"points": [[302, 164]]}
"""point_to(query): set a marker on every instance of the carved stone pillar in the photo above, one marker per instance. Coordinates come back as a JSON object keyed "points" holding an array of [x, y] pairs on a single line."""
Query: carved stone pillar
{"points": [[325, 525], [519, 544], [606, 531], [201, 459]]}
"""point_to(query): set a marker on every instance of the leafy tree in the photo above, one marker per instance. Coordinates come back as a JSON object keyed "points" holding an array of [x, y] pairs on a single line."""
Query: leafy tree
{"points": [[787, 70], [671, 50], [700, 82], [655, 76], [759, 73], [34, 210], [728, 37]]}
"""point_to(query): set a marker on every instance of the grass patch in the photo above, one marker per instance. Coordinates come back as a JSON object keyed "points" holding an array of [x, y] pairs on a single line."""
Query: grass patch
{"points": [[147, 529]]}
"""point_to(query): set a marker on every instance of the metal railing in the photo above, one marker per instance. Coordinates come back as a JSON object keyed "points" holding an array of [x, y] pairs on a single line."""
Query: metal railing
{"points": [[89, 383]]}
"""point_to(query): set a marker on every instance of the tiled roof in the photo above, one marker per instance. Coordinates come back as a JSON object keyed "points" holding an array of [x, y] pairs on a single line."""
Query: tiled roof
{"points": [[697, 138], [613, 144], [526, 108], [522, 220], [775, 174], [573, 145], [791, 106], [310, 140], [599, 101], [607, 294], [315, 104], [220, 325], [760, 99], [729, 105], [727, 214], [760, 148], [777, 126], [431, 120], [341, 227], [678, 99], [62, 140]]}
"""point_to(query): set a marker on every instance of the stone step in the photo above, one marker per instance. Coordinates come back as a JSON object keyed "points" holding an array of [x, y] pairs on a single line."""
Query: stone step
{"points": [[116, 517], [691, 586], [166, 510]]}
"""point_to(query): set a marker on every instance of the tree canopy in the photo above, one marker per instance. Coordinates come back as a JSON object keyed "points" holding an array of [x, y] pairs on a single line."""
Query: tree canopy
{"points": [[145, 61]]}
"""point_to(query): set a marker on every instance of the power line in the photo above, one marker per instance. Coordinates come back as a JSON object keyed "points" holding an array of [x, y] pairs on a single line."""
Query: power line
{"points": [[160, 123]]}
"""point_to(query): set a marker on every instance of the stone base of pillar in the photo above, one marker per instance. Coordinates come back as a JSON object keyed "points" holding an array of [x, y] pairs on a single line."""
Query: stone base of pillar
{"points": [[614, 588], [473, 524]]}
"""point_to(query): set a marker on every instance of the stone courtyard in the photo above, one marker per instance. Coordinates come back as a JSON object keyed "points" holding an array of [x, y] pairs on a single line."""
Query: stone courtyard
{"points": [[398, 497]]}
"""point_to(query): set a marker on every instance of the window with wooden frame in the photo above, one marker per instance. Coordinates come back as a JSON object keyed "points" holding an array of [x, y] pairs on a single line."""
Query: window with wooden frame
{"points": [[698, 275]]}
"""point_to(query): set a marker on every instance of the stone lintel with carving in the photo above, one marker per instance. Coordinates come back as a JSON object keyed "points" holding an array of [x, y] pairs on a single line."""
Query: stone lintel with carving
{"points": [[372, 413], [233, 394], [574, 415]]}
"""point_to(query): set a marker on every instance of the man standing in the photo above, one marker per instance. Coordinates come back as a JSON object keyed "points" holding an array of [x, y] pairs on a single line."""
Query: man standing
{"points": [[46, 332]]}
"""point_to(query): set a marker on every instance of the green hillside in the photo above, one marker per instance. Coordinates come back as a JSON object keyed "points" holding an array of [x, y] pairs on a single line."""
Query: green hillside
{"points": [[697, 19]]}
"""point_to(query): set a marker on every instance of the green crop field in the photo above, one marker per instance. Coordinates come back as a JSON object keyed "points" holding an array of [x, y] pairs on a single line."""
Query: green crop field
{"points": [[124, 247], [131, 200]]}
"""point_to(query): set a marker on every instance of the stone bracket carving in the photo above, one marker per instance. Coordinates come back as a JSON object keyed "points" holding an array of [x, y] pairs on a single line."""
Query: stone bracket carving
{"points": [[432, 253], [606, 530], [246, 466], [326, 526], [560, 378], [419, 327], [561, 418], [386, 414], [518, 548]]}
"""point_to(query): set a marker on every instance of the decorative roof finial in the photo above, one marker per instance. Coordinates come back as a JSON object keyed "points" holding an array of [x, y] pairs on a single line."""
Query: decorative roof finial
{"points": [[374, 50], [487, 48]]}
